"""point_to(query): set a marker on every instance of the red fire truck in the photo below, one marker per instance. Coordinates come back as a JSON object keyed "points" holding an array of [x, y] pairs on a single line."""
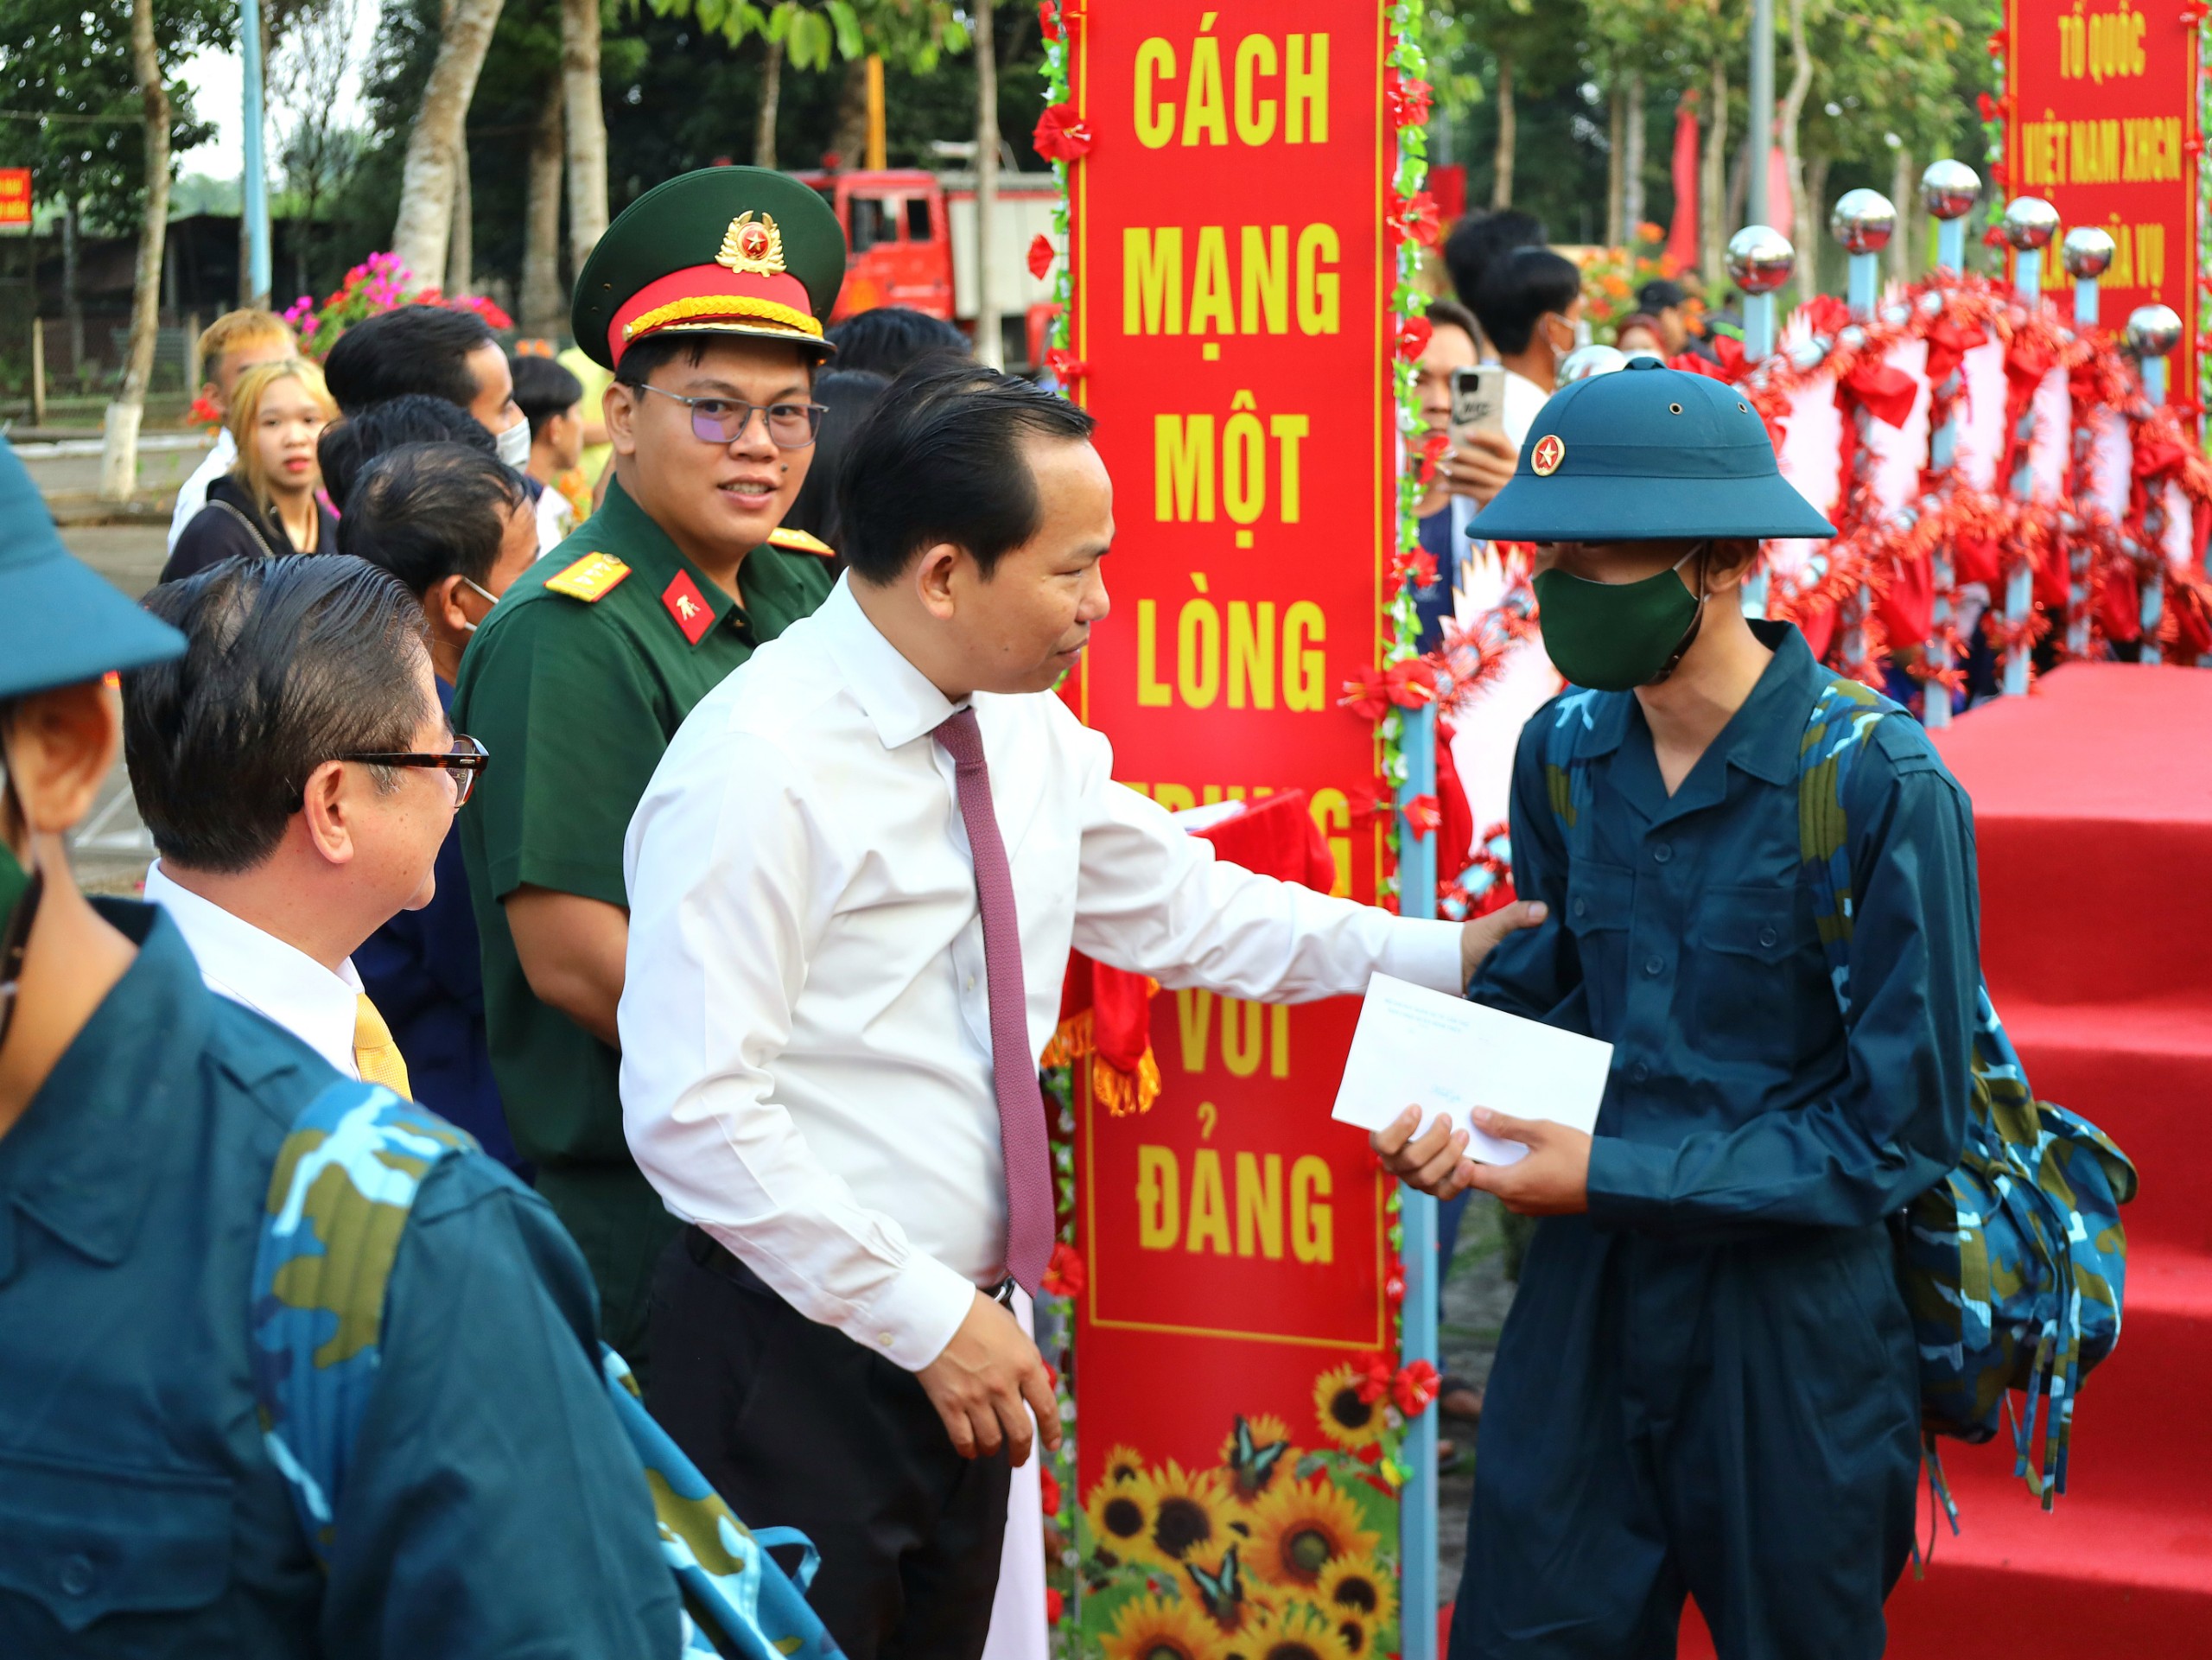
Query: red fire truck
{"points": [[912, 237]]}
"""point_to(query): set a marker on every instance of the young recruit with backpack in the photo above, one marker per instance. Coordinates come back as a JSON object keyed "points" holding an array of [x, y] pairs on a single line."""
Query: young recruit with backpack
{"points": [[1771, 1271]]}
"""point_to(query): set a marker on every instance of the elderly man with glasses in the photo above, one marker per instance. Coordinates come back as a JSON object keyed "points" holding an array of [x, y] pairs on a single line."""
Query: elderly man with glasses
{"points": [[705, 298], [298, 776]]}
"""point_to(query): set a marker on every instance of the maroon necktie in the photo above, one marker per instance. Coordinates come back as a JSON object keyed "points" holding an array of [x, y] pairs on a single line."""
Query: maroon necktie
{"points": [[1013, 1070]]}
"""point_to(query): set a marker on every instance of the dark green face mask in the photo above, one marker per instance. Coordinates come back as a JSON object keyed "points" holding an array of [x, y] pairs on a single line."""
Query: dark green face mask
{"points": [[1613, 637]]}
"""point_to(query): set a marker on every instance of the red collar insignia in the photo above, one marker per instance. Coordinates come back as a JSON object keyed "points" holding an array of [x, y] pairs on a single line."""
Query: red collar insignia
{"points": [[690, 609]]}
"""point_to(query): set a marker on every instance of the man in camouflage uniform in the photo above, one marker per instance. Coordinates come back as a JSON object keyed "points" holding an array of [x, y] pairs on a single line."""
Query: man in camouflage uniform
{"points": [[492, 1505], [1708, 1384]]}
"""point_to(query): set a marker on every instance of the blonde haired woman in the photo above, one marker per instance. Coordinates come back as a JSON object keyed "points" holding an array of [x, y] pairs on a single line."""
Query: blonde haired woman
{"points": [[266, 506]]}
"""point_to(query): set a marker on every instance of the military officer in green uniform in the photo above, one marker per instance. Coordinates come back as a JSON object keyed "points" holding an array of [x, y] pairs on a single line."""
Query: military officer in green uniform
{"points": [[705, 298]]}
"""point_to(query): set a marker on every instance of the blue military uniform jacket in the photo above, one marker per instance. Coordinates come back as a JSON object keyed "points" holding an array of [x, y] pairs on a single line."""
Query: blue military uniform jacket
{"points": [[1714, 1367], [493, 1507]]}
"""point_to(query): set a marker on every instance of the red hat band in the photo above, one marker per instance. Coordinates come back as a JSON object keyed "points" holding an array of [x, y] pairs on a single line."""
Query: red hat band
{"points": [[746, 287]]}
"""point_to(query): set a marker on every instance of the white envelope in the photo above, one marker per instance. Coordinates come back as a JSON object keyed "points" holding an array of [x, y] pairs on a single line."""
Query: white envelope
{"points": [[1418, 1047]]}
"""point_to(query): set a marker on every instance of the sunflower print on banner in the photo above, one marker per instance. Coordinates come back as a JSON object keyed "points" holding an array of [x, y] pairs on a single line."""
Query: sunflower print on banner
{"points": [[1350, 1415], [1278, 1551]]}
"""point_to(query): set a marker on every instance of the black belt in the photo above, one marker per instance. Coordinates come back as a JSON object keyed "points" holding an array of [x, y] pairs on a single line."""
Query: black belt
{"points": [[709, 1252]]}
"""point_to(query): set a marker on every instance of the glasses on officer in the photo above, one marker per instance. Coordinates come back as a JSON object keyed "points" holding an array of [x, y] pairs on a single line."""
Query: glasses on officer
{"points": [[726, 420], [461, 763]]}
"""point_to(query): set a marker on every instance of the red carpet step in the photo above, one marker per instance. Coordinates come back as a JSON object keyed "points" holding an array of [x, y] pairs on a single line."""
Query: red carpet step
{"points": [[2093, 812]]}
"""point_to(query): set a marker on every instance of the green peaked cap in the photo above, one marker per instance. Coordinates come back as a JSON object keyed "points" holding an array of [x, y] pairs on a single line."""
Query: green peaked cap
{"points": [[724, 249]]}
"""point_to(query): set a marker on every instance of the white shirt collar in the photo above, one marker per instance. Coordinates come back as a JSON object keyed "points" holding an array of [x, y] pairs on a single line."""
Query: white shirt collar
{"points": [[899, 699], [278, 981]]}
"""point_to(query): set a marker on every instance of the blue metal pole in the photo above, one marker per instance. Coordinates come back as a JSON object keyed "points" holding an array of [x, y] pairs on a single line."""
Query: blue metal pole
{"points": [[259, 275], [2154, 529], [1864, 283], [1943, 452], [1417, 1528], [2087, 311], [2020, 588], [1951, 243], [2085, 301], [1758, 327]]}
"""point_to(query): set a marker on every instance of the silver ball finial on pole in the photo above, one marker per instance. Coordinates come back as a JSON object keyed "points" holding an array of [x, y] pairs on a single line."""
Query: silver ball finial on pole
{"points": [[1760, 260], [1949, 189], [2029, 224], [1864, 221], [2153, 331], [2087, 253]]}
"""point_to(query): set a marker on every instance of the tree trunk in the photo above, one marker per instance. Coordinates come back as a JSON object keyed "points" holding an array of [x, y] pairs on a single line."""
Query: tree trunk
{"points": [[1739, 185], [1616, 171], [1712, 188], [1901, 192], [1816, 218], [460, 252], [1633, 160], [543, 313], [772, 95], [1501, 185], [73, 291], [585, 118], [120, 446], [423, 228], [1804, 213], [988, 348], [848, 138]]}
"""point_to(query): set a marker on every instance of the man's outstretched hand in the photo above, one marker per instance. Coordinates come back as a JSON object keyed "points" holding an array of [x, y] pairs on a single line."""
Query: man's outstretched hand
{"points": [[979, 1384], [1479, 935], [1553, 1180]]}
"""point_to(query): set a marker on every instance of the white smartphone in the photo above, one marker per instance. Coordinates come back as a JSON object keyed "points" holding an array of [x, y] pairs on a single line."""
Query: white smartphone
{"points": [[1477, 400]]}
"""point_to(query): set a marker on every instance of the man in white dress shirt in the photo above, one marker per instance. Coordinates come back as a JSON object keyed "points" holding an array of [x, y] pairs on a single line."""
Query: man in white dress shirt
{"points": [[287, 767], [853, 883]]}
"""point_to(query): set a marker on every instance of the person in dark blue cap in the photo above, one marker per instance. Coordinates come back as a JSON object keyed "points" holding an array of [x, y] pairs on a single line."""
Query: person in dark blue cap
{"points": [[493, 1504], [1708, 1384]]}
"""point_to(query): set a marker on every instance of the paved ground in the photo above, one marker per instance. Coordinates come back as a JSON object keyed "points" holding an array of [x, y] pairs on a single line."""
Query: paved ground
{"points": [[111, 849], [1476, 1296]]}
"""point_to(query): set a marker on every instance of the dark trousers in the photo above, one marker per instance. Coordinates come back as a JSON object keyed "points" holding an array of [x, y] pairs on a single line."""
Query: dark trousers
{"points": [[1737, 1422], [798, 1426]]}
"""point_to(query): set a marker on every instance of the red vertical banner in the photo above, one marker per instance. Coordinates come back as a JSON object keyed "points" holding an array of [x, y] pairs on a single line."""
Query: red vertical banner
{"points": [[1230, 330], [2102, 124]]}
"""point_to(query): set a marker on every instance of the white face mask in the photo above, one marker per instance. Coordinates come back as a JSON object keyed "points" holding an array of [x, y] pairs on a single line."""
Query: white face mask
{"points": [[514, 444]]}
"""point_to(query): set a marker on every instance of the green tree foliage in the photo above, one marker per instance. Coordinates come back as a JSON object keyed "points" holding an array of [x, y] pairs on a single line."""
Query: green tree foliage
{"points": [[69, 62]]}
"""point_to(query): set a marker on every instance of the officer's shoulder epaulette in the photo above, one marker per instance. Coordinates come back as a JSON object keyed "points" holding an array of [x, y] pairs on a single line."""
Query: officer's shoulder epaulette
{"points": [[799, 541], [591, 579]]}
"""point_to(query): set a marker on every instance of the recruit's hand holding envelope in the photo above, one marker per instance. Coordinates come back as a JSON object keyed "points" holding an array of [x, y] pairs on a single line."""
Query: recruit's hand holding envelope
{"points": [[1414, 1047]]}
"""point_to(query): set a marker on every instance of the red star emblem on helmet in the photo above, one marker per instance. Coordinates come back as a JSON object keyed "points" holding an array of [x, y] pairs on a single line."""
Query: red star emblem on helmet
{"points": [[1549, 453]]}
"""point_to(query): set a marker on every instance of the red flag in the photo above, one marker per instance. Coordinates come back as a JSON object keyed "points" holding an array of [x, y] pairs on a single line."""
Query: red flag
{"points": [[1682, 235]]}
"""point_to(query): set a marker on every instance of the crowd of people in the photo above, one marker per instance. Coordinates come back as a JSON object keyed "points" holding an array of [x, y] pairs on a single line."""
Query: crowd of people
{"points": [[654, 771]]}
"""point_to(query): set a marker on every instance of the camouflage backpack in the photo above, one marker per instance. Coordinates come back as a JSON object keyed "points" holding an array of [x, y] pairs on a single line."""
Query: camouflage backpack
{"points": [[2012, 1265], [344, 1180]]}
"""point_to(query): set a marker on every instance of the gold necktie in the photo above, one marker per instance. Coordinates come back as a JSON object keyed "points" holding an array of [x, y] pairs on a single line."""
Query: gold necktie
{"points": [[375, 1054]]}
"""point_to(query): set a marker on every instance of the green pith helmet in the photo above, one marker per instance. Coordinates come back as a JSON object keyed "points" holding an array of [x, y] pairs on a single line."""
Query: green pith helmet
{"points": [[60, 622], [1647, 453]]}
